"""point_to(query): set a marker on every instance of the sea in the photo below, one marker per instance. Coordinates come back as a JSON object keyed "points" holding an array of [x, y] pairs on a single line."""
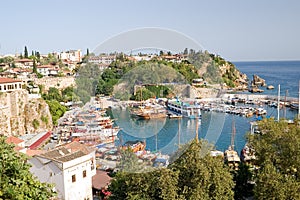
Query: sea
{"points": [[166, 135]]}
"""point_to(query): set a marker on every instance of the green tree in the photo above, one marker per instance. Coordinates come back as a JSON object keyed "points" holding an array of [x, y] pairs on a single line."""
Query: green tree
{"points": [[157, 185], [186, 51], [129, 162], [243, 182], [53, 94], [25, 52], [56, 109], [201, 175], [143, 94], [194, 175], [16, 182], [34, 67], [278, 157]]}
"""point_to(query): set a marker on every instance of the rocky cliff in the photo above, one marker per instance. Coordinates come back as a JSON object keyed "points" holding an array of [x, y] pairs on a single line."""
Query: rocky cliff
{"points": [[20, 114]]}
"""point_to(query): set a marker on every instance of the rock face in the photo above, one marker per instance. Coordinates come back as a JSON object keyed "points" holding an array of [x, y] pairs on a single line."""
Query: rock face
{"points": [[19, 114], [257, 81]]}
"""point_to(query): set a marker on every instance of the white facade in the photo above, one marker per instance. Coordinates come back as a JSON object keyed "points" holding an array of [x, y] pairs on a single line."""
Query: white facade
{"points": [[9, 85], [47, 70], [24, 63], [105, 59], [72, 55], [69, 169]]}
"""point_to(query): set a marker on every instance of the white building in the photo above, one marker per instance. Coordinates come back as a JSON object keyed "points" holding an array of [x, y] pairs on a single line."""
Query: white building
{"points": [[9, 84], [69, 167], [72, 55], [24, 63], [47, 70], [103, 59]]}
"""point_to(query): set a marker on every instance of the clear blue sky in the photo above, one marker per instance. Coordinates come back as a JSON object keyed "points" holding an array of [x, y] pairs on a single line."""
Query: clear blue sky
{"points": [[234, 29]]}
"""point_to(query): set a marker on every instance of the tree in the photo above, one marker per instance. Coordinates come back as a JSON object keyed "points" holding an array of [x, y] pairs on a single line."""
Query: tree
{"points": [[157, 185], [278, 157], [56, 109], [161, 53], [16, 181], [87, 52], [194, 175], [25, 52], [243, 182], [202, 176], [34, 68], [186, 51]]}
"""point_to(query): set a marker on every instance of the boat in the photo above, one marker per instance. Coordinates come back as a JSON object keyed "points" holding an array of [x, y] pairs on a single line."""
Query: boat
{"points": [[191, 110], [135, 146], [152, 111], [248, 154], [294, 106], [231, 157]]}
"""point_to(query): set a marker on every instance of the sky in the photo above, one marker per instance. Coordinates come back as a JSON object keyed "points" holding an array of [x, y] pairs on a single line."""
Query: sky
{"points": [[235, 29]]}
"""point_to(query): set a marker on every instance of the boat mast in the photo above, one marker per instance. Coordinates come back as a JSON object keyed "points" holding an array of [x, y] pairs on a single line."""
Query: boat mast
{"points": [[179, 132], [278, 102], [197, 127], [286, 94], [233, 134]]}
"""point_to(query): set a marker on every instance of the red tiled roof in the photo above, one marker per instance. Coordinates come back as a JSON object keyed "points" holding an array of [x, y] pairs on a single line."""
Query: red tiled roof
{"points": [[76, 146], [32, 152], [8, 80], [24, 60], [100, 180], [14, 140], [45, 66]]}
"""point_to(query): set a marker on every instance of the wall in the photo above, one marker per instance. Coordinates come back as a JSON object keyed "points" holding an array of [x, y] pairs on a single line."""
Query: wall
{"points": [[17, 113]]}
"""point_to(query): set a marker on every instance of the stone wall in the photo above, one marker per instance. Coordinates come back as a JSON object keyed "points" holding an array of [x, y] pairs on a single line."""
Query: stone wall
{"points": [[57, 82], [20, 115]]}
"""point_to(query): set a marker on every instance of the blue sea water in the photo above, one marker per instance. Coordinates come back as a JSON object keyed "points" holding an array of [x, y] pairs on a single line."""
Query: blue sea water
{"points": [[165, 135], [285, 73]]}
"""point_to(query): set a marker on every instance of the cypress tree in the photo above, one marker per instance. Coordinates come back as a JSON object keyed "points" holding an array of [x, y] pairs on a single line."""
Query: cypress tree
{"points": [[25, 52]]}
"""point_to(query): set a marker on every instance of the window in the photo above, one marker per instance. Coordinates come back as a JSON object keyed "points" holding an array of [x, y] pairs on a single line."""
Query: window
{"points": [[84, 173], [73, 178]]}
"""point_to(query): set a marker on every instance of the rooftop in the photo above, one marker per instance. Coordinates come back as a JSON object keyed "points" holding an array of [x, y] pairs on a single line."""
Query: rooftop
{"points": [[8, 80], [67, 152], [14, 140]]}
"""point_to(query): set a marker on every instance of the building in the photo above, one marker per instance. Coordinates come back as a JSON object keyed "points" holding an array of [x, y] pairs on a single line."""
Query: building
{"points": [[103, 59], [47, 70], [19, 143], [71, 55], [69, 167], [9, 84], [24, 63]]}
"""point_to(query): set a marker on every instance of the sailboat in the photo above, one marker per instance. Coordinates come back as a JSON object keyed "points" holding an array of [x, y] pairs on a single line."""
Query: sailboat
{"points": [[231, 156]]}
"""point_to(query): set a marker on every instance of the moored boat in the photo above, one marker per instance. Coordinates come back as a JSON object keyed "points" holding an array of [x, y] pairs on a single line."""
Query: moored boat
{"points": [[231, 157], [191, 110]]}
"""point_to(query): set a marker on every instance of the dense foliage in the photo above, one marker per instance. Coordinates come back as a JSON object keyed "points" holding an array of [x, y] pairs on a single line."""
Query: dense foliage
{"points": [[278, 156], [16, 181], [194, 175], [56, 109], [53, 98]]}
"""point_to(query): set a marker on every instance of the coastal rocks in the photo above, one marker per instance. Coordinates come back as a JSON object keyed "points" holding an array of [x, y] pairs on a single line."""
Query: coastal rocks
{"points": [[257, 81]]}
